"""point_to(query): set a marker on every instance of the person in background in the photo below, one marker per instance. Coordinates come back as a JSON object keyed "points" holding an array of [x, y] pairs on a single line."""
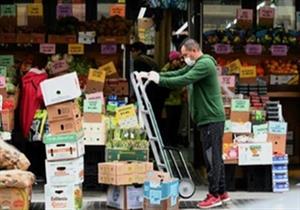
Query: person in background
{"points": [[173, 104], [207, 111], [156, 94]]}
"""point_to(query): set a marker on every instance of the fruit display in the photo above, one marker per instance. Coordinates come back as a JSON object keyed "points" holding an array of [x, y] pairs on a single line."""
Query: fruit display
{"points": [[281, 67]]}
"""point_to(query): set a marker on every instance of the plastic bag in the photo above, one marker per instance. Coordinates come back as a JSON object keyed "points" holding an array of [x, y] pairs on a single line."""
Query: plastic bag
{"points": [[16, 178], [11, 158]]}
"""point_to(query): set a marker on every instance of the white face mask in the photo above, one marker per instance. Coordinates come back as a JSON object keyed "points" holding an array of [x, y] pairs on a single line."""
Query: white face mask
{"points": [[189, 61]]}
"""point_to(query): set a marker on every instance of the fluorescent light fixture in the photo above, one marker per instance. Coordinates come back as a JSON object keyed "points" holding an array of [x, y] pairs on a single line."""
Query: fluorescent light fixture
{"points": [[142, 12], [182, 28]]}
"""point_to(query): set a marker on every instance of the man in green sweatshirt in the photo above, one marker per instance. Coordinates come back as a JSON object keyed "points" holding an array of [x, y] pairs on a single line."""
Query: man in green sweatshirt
{"points": [[206, 105]]}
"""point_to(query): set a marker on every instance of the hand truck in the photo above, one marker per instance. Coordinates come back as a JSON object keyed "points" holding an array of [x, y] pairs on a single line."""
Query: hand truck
{"points": [[164, 156]]}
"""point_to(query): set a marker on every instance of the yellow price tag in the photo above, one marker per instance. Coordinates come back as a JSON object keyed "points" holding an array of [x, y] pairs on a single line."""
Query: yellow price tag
{"points": [[126, 116], [248, 72], [234, 67], [97, 75], [35, 9], [109, 68], [76, 49]]}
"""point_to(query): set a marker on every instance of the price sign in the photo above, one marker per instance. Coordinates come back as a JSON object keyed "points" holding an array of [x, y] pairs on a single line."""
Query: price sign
{"points": [[244, 14], [248, 72], [260, 129], [267, 12], [108, 49], [240, 105], [8, 10], [277, 127], [117, 9], [227, 126], [92, 106], [109, 68], [97, 75], [222, 48], [64, 10], [253, 49], [7, 60], [86, 37], [48, 49], [279, 50], [234, 67], [76, 49], [35, 9], [2, 82], [59, 66], [3, 71], [126, 116], [228, 81]]}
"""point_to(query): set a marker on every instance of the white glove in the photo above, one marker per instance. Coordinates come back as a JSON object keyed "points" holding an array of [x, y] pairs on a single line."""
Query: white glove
{"points": [[143, 74], [153, 76]]}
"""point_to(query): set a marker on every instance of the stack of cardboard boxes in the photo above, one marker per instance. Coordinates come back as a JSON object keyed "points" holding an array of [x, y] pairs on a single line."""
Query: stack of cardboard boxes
{"points": [[64, 143]]}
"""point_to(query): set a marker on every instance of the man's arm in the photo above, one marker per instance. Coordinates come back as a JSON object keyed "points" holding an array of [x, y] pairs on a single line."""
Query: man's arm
{"points": [[197, 72], [175, 73]]}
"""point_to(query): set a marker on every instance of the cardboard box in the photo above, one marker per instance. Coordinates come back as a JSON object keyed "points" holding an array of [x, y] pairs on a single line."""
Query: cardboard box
{"points": [[63, 111], [243, 128], [65, 172], [93, 87], [230, 151], [94, 133], [164, 205], [60, 89], [241, 117], [117, 87], [125, 197], [255, 154], [227, 137], [123, 154], [8, 120], [65, 150], [65, 126], [278, 143], [65, 197], [15, 198], [92, 117], [70, 137]]}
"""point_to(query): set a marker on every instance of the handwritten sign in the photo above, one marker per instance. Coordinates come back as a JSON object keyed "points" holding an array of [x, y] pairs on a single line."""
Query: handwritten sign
{"points": [[48, 49], [260, 129], [244, 14], [279, 50], [35, 9], [253, 49], [76, 49], [108, 49], [267, 12], [109, 68], [222, 48], [3, 71], [240, 105], [7, 60], [117, 9], [64, 10], [279, 128], [2, 82], [97, 75], [234, 67], [228, 81], [248, 72], [92, 106], [8, 10], [59, 66], [126, 116], [87, 37]]}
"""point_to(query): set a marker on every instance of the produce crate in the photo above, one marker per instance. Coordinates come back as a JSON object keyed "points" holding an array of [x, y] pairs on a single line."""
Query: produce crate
{"points": [[113, 40], [124, 154]]}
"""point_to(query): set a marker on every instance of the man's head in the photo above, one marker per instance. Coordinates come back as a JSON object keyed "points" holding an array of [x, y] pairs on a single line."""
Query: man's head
{"points": [[190, 50], [138, 48]]}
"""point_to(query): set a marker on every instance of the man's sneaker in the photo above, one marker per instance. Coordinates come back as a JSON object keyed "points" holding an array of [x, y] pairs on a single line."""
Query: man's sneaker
{"points": [[209, 202], [225, 197]]}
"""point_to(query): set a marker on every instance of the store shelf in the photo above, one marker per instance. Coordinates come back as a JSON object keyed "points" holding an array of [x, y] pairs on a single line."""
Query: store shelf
{"points": [[284, 94]]}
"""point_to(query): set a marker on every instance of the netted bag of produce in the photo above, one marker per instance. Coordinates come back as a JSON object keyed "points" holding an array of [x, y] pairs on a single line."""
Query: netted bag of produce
{"points": [[11, 158], [16, 178]]}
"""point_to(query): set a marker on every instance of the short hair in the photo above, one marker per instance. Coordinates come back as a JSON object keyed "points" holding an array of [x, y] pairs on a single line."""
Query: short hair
{"points": [[139, 46], [190, 44]]}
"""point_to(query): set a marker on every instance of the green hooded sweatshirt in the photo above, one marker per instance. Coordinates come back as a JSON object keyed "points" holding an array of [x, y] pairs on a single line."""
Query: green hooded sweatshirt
{"points": [[206, 103]]}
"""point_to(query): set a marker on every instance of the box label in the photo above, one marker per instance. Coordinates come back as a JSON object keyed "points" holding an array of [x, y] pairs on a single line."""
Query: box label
{"points": [[255, 154], [222, 48], [48, 49], [279, 50], [108, 49], [266, 13], [92, 106], [7, 60], [227, 126], [117, 9], [3, 71], [234, 67], [260, 129], [277, 127], [59, 66], [240, 105], [8, 10], [127, 117], [97, 75], [76, 49], [228, 81], [35, 9], [248, 72], [109, 68], [253, 49], [64, 10]]}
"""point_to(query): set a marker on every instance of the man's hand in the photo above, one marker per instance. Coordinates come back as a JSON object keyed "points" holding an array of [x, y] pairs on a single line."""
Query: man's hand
{"points": [[153, 76]]}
